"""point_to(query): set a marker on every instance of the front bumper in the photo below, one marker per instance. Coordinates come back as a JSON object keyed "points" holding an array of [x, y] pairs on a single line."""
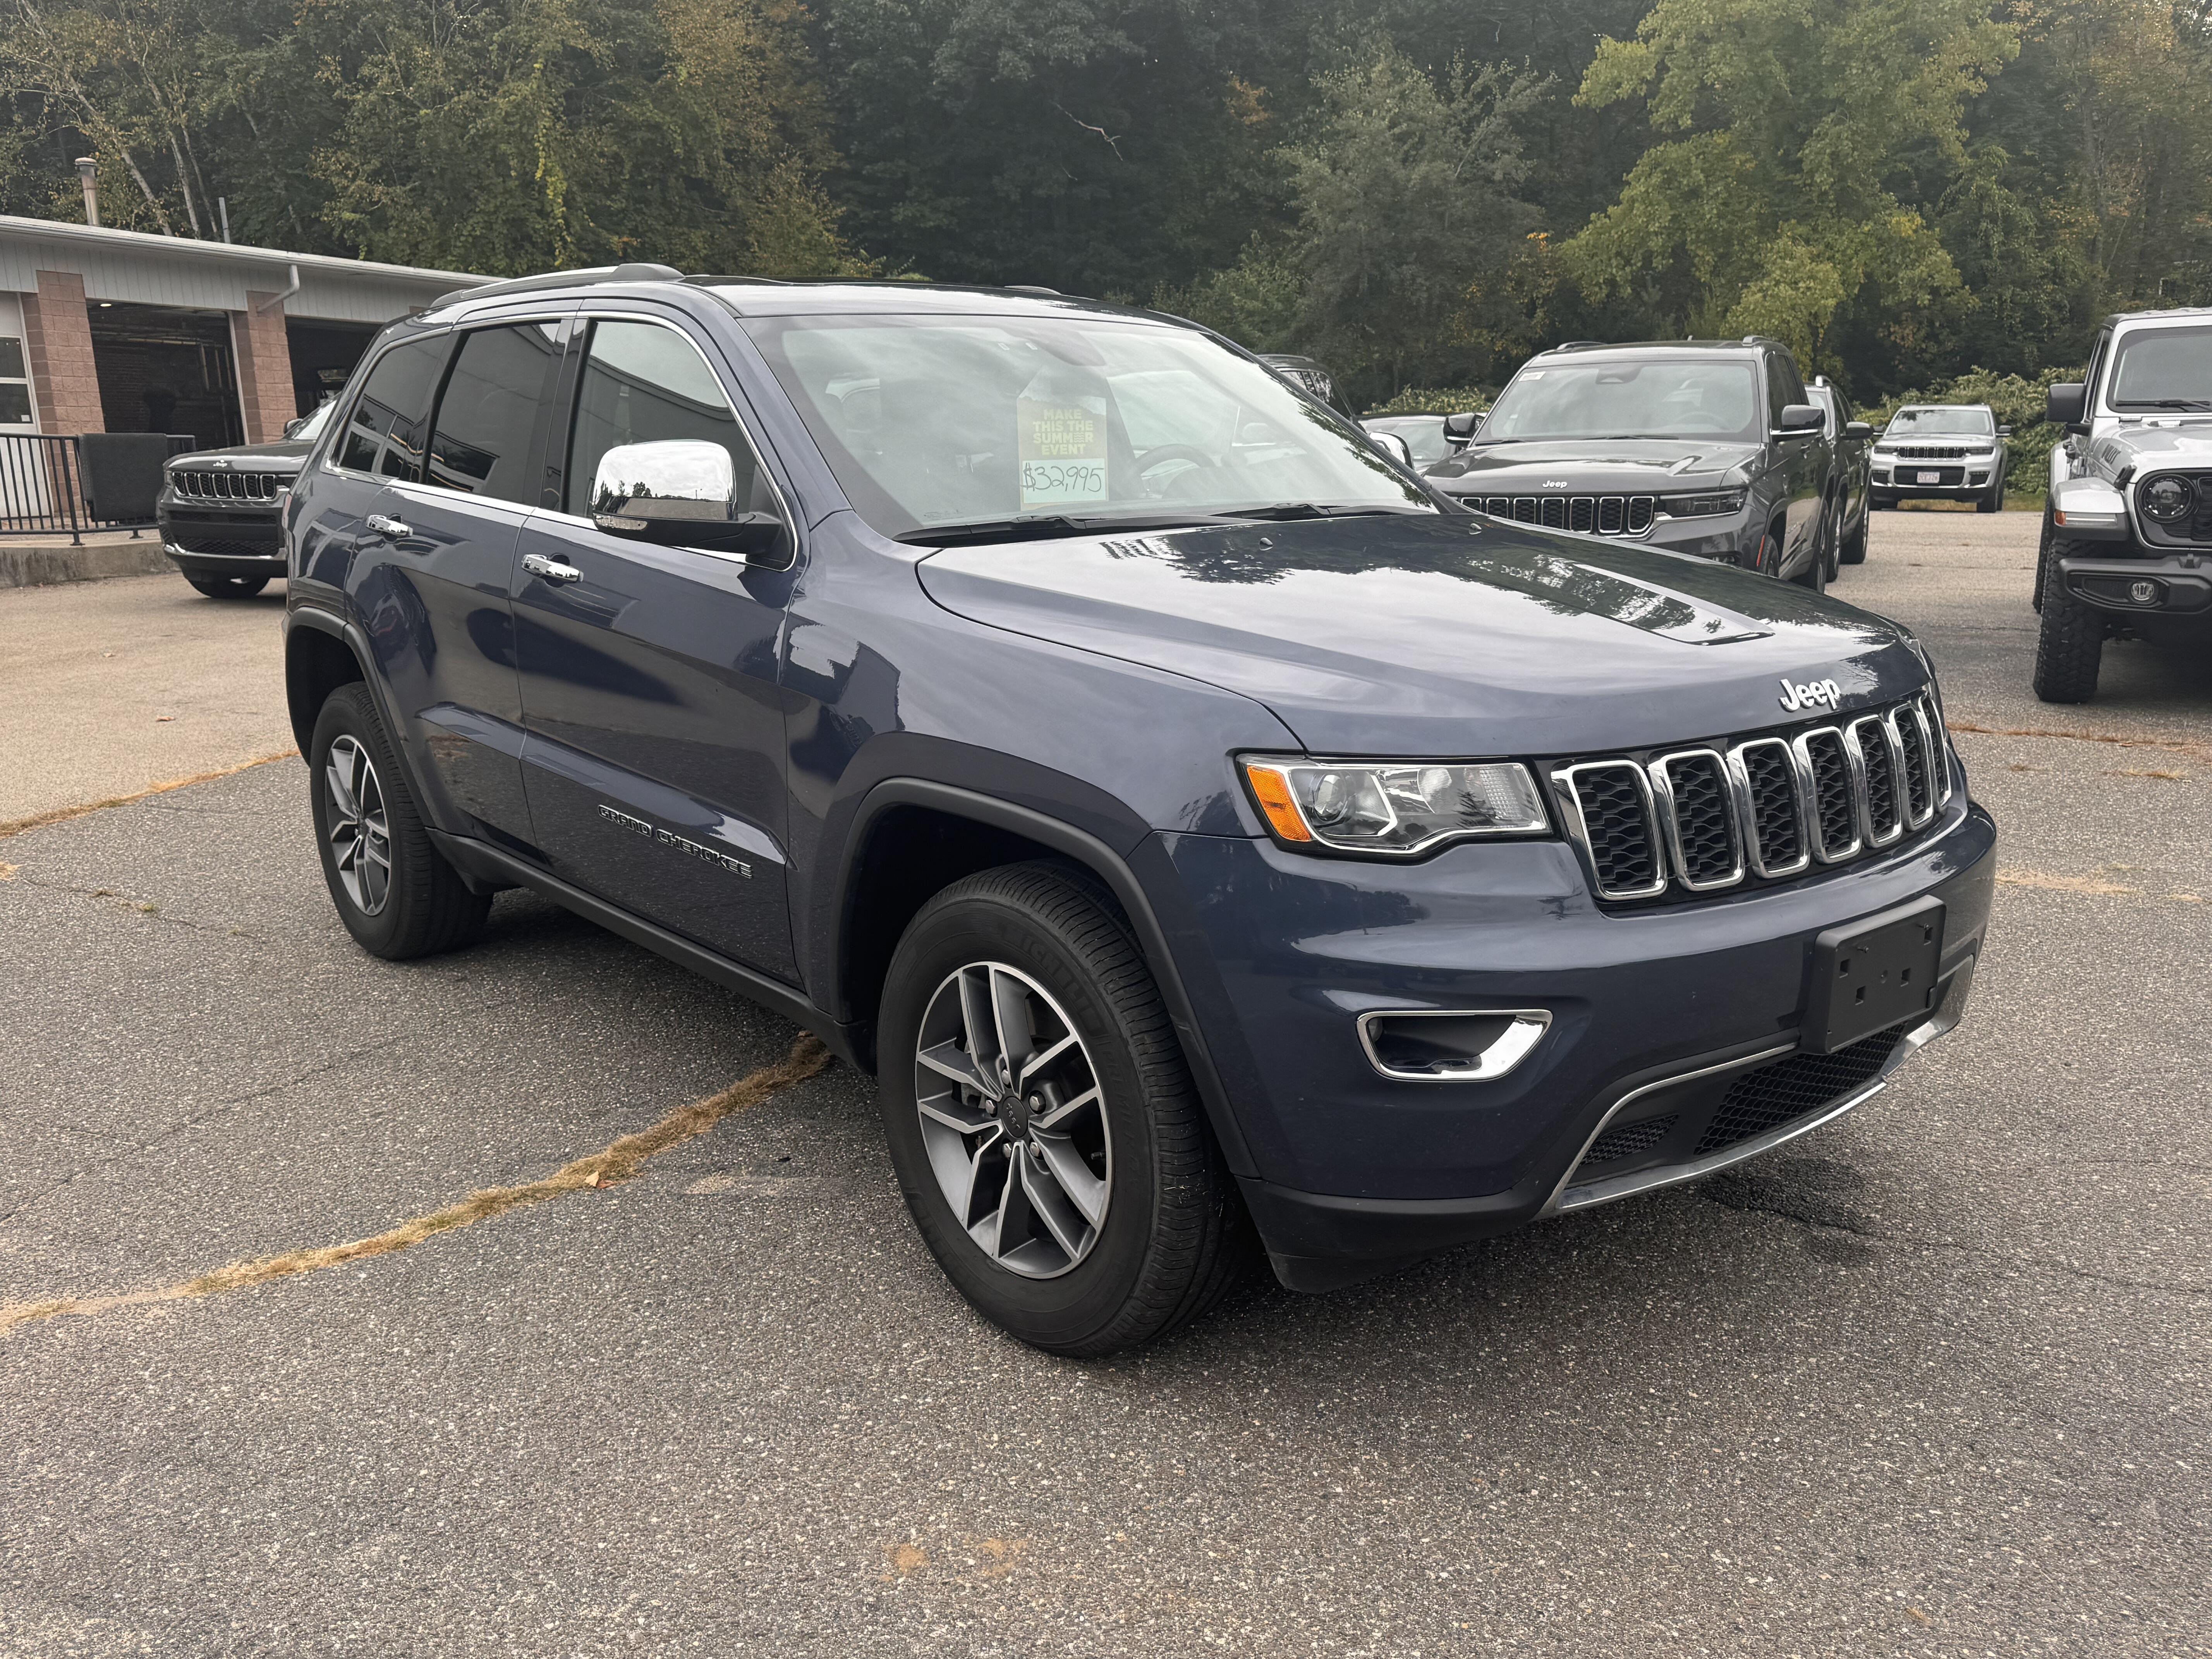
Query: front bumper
{"points": [[221, 541], [2177, 586], [1899, 481], [1655, 1013]]}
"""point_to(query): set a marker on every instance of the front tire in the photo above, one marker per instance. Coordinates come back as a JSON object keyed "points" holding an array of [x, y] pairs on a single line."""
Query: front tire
{"points": [[228, 588], [2069, 644], [1042, 1119], [395, 892]]}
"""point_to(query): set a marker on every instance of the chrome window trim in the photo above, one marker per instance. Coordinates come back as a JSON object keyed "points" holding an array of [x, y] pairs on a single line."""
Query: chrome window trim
{"points": [[1570, 814], [1872, 833], [1854, 782], [1662, 793], [1801, 795], [1511, 1046]]}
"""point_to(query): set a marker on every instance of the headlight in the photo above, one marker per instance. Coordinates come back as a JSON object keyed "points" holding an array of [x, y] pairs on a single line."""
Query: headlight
{"points": [[1702, 507], [1394, 807], [2167, 499]]}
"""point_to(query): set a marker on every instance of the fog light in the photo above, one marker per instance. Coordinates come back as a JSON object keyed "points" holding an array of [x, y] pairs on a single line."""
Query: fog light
{"points": [[2145, 592], [1423, 1045]]}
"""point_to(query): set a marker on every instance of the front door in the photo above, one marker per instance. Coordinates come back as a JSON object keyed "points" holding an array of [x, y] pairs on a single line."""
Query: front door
{"points": [[654, 757]]}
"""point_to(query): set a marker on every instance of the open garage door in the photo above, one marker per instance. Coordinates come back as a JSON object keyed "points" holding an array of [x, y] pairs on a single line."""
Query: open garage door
{"points": [[163, 368]]}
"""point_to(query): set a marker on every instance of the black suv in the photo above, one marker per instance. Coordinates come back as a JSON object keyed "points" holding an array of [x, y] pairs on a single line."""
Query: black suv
{"points": [[1711, 448], [1210, 837], [217, 509]]}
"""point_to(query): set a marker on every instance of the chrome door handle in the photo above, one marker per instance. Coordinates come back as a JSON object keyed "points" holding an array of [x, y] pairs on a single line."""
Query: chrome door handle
{"points": [[385, 525], [552, 570]]}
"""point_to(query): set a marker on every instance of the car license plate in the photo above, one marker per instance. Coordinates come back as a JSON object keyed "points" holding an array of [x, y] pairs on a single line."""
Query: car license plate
{"points": [[1870, 976], [1928, 477]]}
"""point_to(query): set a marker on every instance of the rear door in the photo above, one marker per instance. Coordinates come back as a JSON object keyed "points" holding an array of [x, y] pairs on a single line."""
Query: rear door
{"points": [[458, 525], [654, 760]]}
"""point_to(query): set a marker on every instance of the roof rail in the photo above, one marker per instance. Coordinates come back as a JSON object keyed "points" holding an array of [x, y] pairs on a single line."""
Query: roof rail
{"points": [[637, 273], [1031, 287], [1574, 345]]}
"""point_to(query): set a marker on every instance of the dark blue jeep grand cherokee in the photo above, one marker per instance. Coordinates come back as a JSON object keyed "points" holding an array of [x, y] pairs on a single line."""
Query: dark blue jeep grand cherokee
{"points": [[1210, 836]]}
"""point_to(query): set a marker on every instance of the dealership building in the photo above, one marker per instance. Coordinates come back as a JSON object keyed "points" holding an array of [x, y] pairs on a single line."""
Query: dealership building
{"points": [[117, 331]]}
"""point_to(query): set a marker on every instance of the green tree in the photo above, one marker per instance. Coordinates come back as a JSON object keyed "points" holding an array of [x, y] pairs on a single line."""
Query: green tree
{"points": [[1407, 219], [1798, 123]]}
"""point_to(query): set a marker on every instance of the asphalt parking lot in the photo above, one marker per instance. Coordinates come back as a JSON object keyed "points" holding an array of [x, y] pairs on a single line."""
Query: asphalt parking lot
{"points": [[1936, 1380]]}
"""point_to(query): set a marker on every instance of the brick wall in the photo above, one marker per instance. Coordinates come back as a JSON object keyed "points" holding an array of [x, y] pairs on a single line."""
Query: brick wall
{"points": [[57, 339], [265, 368]]}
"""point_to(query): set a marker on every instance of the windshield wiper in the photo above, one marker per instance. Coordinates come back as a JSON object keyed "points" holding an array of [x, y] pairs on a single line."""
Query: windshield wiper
{"points": [[1040, 525], [1283, 510], [2187, 406]]}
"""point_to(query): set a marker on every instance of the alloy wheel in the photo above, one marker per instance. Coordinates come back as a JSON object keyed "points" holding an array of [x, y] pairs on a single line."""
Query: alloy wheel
{"points": [[1013, 1119], [359, 835]]}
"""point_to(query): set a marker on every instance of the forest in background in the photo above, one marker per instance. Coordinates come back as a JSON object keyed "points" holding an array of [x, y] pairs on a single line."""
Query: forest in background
{"points": [[1421, 192]]}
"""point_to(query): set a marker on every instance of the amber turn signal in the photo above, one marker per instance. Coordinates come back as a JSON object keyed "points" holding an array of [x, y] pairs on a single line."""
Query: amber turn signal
{"points": [[1273, 790]]}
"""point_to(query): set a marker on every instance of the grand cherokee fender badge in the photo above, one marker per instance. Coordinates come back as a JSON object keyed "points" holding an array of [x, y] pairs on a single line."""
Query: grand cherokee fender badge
{"points": [[669, 838], [1823, 693]]}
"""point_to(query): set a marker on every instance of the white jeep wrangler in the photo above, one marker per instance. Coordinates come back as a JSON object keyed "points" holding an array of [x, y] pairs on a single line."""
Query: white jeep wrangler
{"points": [[2128, 533]]}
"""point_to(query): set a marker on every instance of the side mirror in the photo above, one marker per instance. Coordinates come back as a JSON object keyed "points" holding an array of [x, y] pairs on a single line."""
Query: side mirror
{"points": [[1799, 420], [1395, 447], [1859, 430], [2063, 403], [1461, 427], [682, 492], [2005, 432]]}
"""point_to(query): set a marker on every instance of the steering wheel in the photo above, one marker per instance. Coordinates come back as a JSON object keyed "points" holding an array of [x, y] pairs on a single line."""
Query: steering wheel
{"points": [[1162, 454]]}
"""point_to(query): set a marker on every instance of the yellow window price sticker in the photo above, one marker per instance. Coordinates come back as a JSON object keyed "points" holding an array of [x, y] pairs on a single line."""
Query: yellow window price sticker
{"points": [[1062, 452]]}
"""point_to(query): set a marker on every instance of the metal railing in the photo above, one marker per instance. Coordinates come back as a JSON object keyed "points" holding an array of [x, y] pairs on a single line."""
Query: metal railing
{"points": [[42, 490]]}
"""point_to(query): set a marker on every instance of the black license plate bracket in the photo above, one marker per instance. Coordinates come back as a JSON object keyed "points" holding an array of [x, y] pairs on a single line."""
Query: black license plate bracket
{"points": [[1872, 975]]}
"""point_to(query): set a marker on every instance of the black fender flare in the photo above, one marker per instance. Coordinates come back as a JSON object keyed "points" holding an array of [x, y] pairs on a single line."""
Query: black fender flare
{"points": [[1110, 867], [349, 634]]}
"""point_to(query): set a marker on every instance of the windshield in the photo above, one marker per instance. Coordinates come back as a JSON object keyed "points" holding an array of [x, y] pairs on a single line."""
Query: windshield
{"points": [[1919, 422], [1668, 398], [1424, 435], [2164, 369], [936, 421], [311, 427]]}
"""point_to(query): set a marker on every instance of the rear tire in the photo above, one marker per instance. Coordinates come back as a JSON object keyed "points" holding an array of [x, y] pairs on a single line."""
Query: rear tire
{"points": [[1149, 1232], [1855, 549], [2069, 645], [395, 892], [228, 588]]}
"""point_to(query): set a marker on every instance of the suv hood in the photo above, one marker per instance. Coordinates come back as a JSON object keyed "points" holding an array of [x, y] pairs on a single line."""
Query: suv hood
{"points": [[1440, 637], [1620, 466], [2145, 447], [283, 456]]}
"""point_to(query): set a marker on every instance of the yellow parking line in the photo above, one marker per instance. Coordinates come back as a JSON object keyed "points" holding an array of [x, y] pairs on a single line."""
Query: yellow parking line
{"points": [[618, 1162], [62, 814]]}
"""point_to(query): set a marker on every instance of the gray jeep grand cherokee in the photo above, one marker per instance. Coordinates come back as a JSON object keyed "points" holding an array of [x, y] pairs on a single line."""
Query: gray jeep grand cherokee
{"points": [[1711, 448], [1208, 836]]}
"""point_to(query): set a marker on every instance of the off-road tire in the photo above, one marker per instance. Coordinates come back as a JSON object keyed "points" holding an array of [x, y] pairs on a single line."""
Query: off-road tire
{"points": [[2070, 642], [1174, 1239], [228, 588], [428, 909], [1814, 576]]}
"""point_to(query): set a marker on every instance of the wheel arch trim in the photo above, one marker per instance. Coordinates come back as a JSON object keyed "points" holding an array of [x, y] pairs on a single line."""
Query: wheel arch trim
{"points": [[349, 634], [1102, 861]]}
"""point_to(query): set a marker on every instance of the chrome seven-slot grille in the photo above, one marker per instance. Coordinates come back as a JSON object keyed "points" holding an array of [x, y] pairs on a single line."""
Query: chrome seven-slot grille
{"points": [[1930, 452], [1603, 515], [1703, 818], [230, 486]]}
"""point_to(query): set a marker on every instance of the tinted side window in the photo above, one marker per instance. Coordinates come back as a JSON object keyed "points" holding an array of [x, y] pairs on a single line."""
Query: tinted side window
{"points": [[643, 383], [385, 431], [489, 411], [1783, 386]]}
